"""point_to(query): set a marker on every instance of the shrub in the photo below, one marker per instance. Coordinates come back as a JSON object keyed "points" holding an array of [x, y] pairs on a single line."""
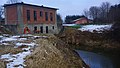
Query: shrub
{"points": [[115, 31]]}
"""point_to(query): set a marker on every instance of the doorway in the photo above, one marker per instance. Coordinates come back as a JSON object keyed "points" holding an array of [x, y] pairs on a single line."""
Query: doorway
{"points": [[35, 29], [41, 29], [46, 29]]}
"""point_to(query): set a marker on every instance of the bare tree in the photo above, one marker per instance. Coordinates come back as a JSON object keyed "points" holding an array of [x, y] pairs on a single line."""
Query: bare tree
{"points": [[13, 1], [1, 12], [94, 12], [104, 8], [86, 13]]}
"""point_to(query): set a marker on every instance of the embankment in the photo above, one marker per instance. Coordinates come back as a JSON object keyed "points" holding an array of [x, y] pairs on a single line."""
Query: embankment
{"points": [[52, 52], [94, 42]]}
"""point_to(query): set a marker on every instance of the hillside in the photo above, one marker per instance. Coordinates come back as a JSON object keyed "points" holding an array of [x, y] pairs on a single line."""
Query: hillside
{"points": [[53, 53]]}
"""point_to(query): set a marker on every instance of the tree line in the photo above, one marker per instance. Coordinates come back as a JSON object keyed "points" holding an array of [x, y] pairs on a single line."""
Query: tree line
{"points": [[105, 13], [69, 19]]}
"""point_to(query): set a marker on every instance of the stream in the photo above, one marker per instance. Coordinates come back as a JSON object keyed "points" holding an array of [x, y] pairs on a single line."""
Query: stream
{"points": [[95, 60]]}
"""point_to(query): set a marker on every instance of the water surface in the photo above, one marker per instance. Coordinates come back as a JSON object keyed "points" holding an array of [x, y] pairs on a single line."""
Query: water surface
{"points": [[95, 60]]}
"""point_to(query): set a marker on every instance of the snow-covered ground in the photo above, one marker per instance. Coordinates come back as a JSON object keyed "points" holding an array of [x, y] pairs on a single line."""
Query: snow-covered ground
{"points": [[98, 28], [17, 60], [69, 24]]}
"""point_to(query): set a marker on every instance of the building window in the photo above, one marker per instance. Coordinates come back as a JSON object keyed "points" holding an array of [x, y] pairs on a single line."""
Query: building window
{"points": [[28, 15], [41, 13], [46, 29], [35, 16], [51, 17], [52, 27], [46, 16]]}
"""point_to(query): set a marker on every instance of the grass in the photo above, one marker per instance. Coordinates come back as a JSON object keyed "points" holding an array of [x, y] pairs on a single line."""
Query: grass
{"points": [[9, 49], [2, 64], [76, 26]]}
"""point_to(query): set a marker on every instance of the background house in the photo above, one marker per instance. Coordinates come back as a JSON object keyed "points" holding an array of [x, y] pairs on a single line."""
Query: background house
{"points": [[82, 20], [37, 19]]}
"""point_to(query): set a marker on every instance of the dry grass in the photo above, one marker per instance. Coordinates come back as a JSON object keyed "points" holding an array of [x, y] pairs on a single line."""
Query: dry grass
{"points": [[9, 49], [2, 64], [44, 56], [51, 54]]}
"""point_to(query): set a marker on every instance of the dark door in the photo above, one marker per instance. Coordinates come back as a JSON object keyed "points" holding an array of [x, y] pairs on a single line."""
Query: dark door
{"points": [[41, 29], [46, 29], [35, 29]]}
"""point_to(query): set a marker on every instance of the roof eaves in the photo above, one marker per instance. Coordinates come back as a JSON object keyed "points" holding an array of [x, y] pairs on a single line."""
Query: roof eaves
{"points": [[5, 5]]}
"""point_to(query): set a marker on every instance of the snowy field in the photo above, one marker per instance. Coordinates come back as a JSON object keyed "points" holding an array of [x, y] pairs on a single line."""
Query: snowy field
{"points": [[69, 24], [98, 28], [17, 60]]}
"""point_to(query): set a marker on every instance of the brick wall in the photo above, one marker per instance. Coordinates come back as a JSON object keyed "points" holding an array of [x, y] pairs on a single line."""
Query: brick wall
{"points": [[17, 14], [39, 18], [11, 14]]}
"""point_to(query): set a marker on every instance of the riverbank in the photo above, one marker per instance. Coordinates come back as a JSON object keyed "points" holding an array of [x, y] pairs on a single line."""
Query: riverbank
{"points": [[52, 52], [35, 51], [93, 42]]}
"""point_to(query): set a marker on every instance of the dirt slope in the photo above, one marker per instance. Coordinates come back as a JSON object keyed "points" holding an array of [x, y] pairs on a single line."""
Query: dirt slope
{"points": [[51, 52], [4, 30]]}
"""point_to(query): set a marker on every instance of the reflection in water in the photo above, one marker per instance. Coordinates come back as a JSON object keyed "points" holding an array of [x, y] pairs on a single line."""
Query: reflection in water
{"points": [[95, 60]]}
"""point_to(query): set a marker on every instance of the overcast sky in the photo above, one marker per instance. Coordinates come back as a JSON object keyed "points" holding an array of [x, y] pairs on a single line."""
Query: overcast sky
{"points": [[68, 7]]}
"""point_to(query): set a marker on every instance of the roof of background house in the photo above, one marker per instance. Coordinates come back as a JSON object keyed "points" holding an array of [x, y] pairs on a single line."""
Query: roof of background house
{"points": [[79, 19], [5, 5]]}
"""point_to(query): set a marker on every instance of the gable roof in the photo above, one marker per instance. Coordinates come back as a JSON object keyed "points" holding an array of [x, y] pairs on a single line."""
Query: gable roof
{"points": [[80, 19], [5, 5]]}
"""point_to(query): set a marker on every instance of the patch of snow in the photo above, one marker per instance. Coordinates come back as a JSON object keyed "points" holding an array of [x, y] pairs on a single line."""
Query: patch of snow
{"points": [[6, 35], [40, 37], [26, 48], [27, 35], [17, 36], [9, 39], [1, 36], [17, 59], [98, 28], [5, 44], [69, 24], [27, 44], [22, 39]]}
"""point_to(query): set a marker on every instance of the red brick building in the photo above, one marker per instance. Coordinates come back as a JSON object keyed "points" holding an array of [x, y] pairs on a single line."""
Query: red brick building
{"points": [[36, 19]]}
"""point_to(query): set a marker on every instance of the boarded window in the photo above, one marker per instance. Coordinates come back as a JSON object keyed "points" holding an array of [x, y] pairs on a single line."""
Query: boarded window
{"points": [[46, 16], [35, 16], [28, 15]]}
